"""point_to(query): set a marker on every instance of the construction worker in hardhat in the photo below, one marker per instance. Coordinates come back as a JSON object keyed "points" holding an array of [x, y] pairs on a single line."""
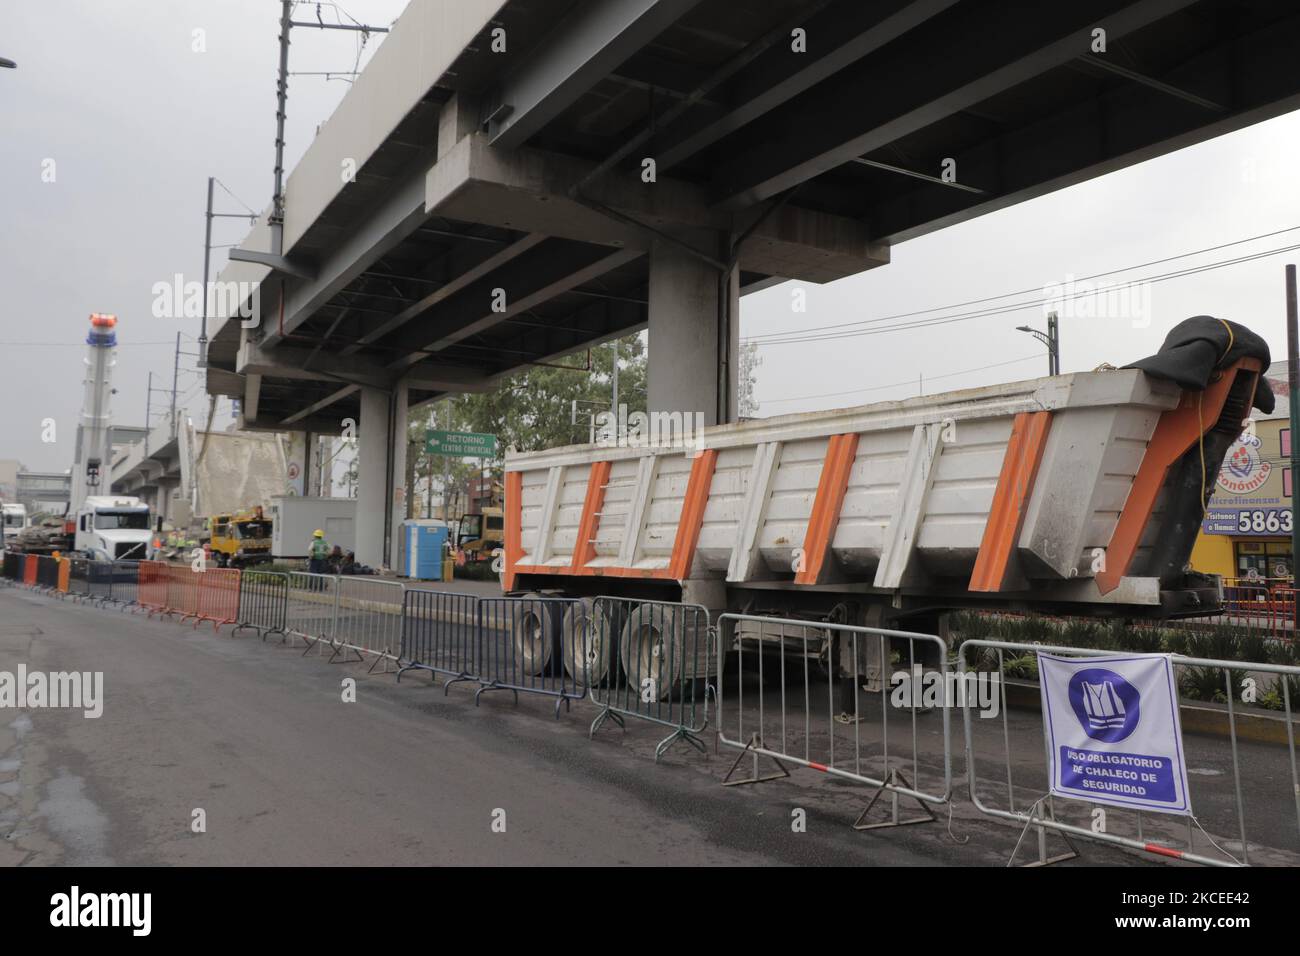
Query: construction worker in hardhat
{"points": [[317, 553]]}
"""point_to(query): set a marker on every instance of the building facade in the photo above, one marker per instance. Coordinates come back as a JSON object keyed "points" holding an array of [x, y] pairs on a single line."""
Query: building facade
{"points": [[1246, 533]]}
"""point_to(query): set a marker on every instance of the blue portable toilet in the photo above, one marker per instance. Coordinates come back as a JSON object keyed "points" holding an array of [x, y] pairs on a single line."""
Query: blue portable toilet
{"points": [[425, 544]]}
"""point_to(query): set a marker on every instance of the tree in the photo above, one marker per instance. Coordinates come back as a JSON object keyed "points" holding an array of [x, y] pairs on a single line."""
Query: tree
{"points": [[535, 409], [528, 411]]}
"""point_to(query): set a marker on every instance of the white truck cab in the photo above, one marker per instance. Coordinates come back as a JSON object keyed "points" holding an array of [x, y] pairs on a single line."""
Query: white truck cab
{"points": [[113, 528], [15, 519]]}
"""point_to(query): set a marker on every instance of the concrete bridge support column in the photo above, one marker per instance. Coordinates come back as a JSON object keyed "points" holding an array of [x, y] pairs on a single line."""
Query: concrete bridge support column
{"points": [[396, 502], [694, 346], [372, 478], [381, 471]]}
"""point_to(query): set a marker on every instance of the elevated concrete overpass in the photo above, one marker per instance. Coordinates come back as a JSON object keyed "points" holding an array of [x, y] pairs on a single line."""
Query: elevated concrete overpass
{"points": [[480, 201]]}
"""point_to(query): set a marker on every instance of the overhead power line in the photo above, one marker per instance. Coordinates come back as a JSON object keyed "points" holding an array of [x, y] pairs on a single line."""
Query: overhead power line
{"points": [[816, 336], [760, 338], [912, 381]]}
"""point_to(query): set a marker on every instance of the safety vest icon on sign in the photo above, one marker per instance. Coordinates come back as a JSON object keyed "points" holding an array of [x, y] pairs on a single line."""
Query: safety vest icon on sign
{"points": [[1103, 706]]}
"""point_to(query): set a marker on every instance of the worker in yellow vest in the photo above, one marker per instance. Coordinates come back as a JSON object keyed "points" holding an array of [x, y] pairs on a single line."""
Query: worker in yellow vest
{"points": [[317, 553]]}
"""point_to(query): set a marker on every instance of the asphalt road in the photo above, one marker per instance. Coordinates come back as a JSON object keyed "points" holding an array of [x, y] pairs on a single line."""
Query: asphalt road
{"points": [[259, 738]]}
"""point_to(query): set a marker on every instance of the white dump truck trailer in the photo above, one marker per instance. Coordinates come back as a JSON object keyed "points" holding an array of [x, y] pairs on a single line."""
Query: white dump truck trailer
{"points": [[1078, 494]]}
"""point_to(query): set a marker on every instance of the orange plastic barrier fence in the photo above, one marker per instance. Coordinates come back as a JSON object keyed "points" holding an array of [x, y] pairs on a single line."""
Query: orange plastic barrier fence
{"points": [[29, 569], [218, 596], [183, 590], [208, 595], [151, 591], [65, 569]]}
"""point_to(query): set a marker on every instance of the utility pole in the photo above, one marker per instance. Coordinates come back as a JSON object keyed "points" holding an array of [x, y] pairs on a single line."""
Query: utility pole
{"points": [[613, 407], [176, 371], [281, 102], [207, 255], [202, 361], [1293, 393], [148, 406]]}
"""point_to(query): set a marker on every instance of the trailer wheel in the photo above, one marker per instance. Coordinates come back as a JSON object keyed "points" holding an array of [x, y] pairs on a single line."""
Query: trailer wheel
{"points": [[662, 652], [533, 634], [589, 642]]}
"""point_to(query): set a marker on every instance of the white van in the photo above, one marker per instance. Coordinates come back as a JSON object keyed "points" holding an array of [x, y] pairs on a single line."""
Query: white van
{"points": [[15, 519], [113, 528]]}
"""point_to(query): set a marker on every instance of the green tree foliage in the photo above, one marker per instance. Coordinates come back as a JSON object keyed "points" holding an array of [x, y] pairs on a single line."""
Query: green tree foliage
{"points": [[533, 410], [529, 411]]}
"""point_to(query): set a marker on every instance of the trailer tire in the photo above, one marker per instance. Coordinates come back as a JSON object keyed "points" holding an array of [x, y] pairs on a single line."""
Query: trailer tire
{"points": [[534, 634], [663, 650], [590, 642]]}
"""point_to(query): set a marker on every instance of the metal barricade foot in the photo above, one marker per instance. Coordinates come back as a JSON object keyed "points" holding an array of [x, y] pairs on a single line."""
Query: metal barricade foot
{"points": [[457, 680], [754, 742], [1043, 859], [487, 687], [681, 733], [338, 647], [894, 779], [605, 714]]}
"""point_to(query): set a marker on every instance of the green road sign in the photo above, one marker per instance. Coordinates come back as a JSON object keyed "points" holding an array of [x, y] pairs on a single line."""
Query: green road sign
{"points": [[460, 444]]}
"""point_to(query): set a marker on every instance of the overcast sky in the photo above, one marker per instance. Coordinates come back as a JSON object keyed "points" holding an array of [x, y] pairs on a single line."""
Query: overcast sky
{"points": [[135, 120]]}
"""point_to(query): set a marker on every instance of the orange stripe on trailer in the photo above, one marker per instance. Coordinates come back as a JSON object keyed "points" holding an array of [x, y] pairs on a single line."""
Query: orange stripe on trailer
{"points": [[692, 519], [584, 548], [514, 526], [1007, 513], [825, 517], [1177, 430]]}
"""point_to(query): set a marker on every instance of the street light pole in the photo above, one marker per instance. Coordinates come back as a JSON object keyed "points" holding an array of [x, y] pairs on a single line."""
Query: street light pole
{"points": [[1051, 338]]}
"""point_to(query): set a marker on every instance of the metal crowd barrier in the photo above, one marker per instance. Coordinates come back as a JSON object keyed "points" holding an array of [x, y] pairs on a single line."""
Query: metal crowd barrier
{"points": [[367, 619], [311, 610], [124, 583], [799, 721], [263, 603], [79, 578], [439, 634], [99, 581], [651, 660], [510, 643], [1040, 814], [523, 642]]}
